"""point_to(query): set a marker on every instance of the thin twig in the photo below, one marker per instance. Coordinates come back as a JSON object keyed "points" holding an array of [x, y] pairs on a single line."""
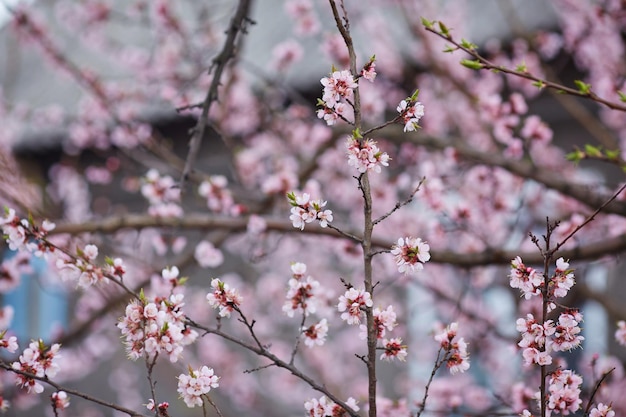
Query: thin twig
{"points": [[70, 391], [238, 25]]}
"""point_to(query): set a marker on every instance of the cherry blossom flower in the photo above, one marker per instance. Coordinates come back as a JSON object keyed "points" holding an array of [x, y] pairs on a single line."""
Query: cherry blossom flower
{"points": [[304, 210], [60, 400], [620, 333], [198, 383], [369, 70], [564, 391], [315, 334], [527, 279], [155, 326], [339, 86], [163, 195], [302, 296], [566, 333], [352, 303], [223, 297], [563, 279], [38, 360], [219, 198], [410, 254], [323, 407], [411, 112], [285, 54], [383, 320], [162, 407], [602, 410], [9, 343], [457, 357], [207, 255], [393, 349], [365, 155]]}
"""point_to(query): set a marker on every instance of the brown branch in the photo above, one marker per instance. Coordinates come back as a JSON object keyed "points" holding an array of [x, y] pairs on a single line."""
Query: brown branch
{"points": [[237, 25], [202, 221]]}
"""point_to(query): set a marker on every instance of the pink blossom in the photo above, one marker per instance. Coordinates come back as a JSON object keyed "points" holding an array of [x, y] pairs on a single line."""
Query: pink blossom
{"points": [[60, 400], [564, 391], [39, 360], [323, 407], [315, 334], [410, 254], [285, 54], [365, 155], [304, 210], [369, 70], [302, 296], [527, 279], [383, 320], [207, 255], [602, 410], [394, 349], [223, 297], [352, 304], [193, 386], [339, 86], [219, 198], [411, 112]]}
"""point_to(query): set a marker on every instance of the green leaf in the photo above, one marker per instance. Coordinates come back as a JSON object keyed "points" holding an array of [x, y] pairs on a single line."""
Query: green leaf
{"points": [[443, 29], [521, 68], [539, 84], [468, 45], [449, 49], [622, 96], [356, 133], [575, 156], [593, 151], [414, 95], [427, 23], [472, 64], [613, 155], [583, 87]]}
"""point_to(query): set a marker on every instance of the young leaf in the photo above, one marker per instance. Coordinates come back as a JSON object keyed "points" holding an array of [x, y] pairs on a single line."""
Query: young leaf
{"points": [[427, 23], [444, 29], [472, 64], [583, 87]]}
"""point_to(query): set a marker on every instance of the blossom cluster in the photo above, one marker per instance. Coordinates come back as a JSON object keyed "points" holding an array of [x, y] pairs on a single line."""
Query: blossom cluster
{"points": [[365, 155], [39, 360], [219, 198], [162, 193], [352, 305], [410, 112], [383, 320], [540, 340], [323, 407], [338, 87], [304, 210], [531, 282], [198, 383], [223, 297], [303, 293], [457, 357], [411, 254], [564, 391], [83, 269], [156, 326], [24, 234]]}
